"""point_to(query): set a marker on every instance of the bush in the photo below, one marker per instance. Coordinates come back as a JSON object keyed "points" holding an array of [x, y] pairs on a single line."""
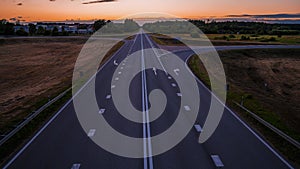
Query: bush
{"points": [[47, 33], [21, 32], [231, 36], [245, 37]]}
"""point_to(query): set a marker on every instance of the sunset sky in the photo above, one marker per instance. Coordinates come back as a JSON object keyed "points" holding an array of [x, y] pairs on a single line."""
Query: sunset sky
{"points": [[59, 10]]}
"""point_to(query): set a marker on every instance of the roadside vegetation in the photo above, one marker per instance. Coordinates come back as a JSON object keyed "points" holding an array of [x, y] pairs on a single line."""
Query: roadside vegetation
{"points": [[267, 82]]}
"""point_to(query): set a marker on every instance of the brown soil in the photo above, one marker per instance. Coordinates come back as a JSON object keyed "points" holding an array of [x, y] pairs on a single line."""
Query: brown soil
{"points": [[32, 70]]}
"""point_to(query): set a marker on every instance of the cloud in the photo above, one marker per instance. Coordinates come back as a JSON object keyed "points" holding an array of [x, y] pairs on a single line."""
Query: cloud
{"points": [[98, 1], [275, 16]]}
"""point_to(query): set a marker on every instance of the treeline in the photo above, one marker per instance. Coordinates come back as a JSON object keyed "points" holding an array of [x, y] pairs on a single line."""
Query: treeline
{"points": [[6, 28], [257, 28], [62, 29], [129, 25], [230, 27]]}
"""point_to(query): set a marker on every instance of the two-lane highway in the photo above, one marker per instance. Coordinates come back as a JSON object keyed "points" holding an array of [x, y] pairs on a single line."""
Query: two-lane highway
{"points": [[62, 143]]}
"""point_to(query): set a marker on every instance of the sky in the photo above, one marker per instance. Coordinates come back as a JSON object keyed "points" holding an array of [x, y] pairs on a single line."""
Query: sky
{"points": [[60, 10]]}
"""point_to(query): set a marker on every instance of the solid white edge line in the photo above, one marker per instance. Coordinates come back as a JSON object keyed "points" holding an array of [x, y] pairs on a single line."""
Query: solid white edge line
{"points": [[240, 120], [58, 112]]}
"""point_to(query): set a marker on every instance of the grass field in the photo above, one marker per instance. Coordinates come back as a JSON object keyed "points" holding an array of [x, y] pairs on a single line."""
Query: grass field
{"points": [[247, 71], [226, 39]]}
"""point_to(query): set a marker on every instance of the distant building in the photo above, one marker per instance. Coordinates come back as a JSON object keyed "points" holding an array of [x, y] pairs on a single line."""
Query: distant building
{"points": [[73, 28]]}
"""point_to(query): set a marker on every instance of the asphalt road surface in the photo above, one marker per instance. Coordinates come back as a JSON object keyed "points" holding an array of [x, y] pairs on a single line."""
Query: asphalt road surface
{"points": [[62, 143]]}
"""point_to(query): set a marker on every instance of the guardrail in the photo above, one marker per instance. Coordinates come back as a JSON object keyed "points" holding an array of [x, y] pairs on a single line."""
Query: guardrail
{"points": [[271, 127], [31, 116]]}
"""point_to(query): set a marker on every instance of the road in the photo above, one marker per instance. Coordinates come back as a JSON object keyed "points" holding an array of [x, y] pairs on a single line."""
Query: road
{"points": [[62, 143]]}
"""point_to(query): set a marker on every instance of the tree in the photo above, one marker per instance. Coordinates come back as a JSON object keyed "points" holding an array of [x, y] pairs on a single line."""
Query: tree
{"points": [[32, 29], [21, 32], [6, 28], [54, 32], [99, 24], [40, 30], [130, 25]]}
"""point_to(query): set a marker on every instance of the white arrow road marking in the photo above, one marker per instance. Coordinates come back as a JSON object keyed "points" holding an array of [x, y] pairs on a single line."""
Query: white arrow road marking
{"points": [[217, 161], [115, 63], [198, 128], [91, 133], [108, 96], [176, 71], [75, 166], [187, 108], [101, 111], [173, 84], [154, 70], [179, 94]]}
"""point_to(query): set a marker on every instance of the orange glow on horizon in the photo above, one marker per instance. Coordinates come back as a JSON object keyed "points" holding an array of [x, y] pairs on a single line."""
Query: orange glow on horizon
{"points": [[60, 10]]}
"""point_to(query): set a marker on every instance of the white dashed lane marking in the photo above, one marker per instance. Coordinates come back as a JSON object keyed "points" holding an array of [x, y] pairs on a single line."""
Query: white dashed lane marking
{"points": [[173, 84], [217, 161], [154, 70], [198, 128], [108, 96], [119, 73], [75, 166], [169, 77], [179, 94], [115, 63], [101, 111], [113, 86], [176, 71], [116, 78], [91, 133], [187, 108]]}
